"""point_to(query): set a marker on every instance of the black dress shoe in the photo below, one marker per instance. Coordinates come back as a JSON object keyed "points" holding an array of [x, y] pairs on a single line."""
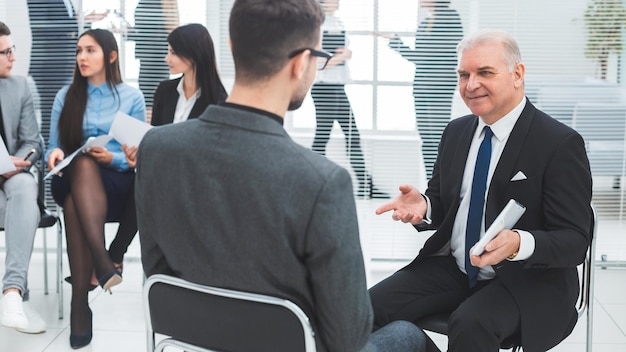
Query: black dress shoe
{"points": [[68, 279]]}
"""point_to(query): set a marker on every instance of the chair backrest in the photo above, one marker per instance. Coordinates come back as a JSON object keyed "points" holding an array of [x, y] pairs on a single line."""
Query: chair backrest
{"points": [[558, 99], [221, 319], [603, 127]]}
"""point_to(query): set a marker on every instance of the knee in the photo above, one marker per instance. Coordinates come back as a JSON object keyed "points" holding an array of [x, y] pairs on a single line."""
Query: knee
{"points": [[22, 185], [462, 324], [399, 335]]}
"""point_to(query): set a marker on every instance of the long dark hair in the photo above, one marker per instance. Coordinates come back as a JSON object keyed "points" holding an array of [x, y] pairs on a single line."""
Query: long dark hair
{"points": [[193, 42], [73, 112]]}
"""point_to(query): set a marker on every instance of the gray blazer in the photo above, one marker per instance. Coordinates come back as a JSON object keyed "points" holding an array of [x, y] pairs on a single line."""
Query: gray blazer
{"points": [[18, 116], [230, 200]]}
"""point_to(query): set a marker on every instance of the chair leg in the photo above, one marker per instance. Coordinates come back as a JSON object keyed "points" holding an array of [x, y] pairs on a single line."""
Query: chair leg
{"points": [[45, 261], [60, 267]]}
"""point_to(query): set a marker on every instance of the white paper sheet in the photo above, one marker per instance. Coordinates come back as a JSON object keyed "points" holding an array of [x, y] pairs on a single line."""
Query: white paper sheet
{"points": [[128, 130], [99, 141], [6, 163]]}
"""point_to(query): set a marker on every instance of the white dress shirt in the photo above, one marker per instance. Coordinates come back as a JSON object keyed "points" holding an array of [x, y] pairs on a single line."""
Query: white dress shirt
{"points": [[501, 131], [184, 105]]}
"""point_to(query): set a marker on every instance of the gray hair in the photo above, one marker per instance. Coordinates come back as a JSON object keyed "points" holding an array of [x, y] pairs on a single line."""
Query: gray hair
{"points": [[511, 54]]}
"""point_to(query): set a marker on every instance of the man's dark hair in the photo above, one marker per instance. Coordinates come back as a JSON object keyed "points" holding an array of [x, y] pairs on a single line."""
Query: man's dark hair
{"points": [[4, 29], [264, 32]]}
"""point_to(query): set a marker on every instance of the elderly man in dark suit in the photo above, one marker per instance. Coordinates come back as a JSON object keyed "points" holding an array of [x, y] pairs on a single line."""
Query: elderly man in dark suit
{"points": [[230, 200], [19, 213], [526, 281]]}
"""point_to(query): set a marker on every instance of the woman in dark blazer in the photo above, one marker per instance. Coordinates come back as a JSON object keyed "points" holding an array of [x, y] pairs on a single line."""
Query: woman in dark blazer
{"points": [[190, 53]]}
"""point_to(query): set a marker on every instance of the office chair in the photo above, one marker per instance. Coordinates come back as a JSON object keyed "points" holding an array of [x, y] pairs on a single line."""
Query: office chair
{"points": [[47, 220], [204, 318], [439, 322]]}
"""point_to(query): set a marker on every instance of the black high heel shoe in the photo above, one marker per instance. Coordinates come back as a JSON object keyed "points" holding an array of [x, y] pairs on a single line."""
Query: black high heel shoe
{"points": [[109, 280], [91, 287], [79, 341]]}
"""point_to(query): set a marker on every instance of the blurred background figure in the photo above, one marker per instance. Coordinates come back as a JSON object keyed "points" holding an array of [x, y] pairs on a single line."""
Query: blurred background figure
{"points": [[331, 101], [154, 20], [54, 29], [434, 57]]}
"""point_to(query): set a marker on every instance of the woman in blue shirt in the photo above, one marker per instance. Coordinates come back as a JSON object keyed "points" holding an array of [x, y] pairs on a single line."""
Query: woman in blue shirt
{"points": [[95, 186]]}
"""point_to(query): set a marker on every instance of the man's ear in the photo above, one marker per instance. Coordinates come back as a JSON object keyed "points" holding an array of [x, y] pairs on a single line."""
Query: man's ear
{"points": [[113, 57], [300, 63], [519, 71]]}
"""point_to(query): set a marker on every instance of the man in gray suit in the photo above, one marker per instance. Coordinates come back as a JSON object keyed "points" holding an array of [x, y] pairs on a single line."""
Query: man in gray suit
{"points": [[230, 200], [19, 213]]}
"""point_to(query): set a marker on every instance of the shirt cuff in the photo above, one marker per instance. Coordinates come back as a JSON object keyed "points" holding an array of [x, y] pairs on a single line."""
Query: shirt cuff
{"points": [[526, 246], [427, 220]]}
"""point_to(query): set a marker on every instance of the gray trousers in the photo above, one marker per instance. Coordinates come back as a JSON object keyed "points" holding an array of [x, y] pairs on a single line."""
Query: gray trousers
{"points": [[19, 214], [398, 336]]}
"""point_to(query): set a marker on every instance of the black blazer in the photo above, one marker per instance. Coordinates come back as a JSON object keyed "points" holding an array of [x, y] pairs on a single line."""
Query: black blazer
{"points": [[165, 100], [557, 196]]}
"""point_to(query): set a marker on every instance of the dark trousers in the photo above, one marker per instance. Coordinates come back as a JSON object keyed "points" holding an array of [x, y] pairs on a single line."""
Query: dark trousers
{"points": [[481, 317], [332, 104]]}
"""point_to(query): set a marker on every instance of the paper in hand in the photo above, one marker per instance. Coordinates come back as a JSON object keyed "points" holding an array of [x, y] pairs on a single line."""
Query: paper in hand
{"points": [[99, 141], [128, 130]]}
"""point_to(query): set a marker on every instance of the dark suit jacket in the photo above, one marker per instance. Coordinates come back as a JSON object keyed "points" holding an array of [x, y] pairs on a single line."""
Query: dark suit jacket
{"points": [[165, 99], [241, 205], [557, 196]]}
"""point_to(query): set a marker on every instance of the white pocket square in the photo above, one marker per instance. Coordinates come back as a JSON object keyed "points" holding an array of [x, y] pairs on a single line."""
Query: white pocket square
{"points": [[519, 176]]}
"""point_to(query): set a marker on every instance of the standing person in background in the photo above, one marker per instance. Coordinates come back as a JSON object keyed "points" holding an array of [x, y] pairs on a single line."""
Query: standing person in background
{"points": [[154, 20], [95, 187], [19, 213], [331, 101], [434, 57], [54, 29]]}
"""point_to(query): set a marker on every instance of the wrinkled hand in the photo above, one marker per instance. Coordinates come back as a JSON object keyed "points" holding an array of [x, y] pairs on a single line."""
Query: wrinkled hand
{"points": [[409, 206], [131, 155], [101, 155], [503, 245]]}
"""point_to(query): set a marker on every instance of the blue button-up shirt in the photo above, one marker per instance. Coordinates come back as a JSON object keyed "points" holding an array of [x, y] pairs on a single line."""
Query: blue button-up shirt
{"points": [[102, 106]]}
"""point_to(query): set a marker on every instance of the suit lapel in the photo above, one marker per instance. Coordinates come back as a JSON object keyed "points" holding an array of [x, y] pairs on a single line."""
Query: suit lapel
{"points": [[460, 156], [506, 165], [7, 105], [170, 107]]}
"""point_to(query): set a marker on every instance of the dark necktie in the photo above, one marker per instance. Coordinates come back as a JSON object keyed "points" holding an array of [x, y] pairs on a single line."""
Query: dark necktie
{"points": [[477, 203]]}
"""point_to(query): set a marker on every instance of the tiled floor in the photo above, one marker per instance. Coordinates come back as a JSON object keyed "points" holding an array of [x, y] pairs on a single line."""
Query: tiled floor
{"points": [[119, 318]]}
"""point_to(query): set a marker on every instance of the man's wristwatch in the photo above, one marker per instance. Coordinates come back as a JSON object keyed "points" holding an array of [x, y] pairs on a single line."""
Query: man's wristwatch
{"points": [[512, 256]]}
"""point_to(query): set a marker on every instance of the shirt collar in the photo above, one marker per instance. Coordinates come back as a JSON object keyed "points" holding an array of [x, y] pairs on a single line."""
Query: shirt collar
{"points": [[255, 110], [180, 90], [104, 87], [502, 128]]}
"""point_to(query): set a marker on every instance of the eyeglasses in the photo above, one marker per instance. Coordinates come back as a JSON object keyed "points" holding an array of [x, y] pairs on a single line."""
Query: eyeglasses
{"points": [[8, 52], [322, 56]]}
